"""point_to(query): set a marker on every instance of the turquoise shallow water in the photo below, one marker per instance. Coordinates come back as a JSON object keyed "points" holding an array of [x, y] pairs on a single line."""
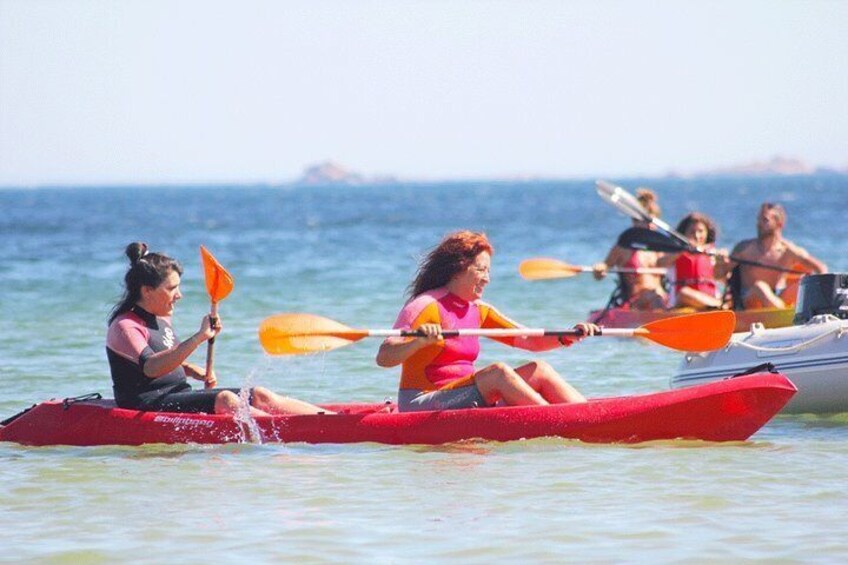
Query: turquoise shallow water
{"points": [[348, 254]]}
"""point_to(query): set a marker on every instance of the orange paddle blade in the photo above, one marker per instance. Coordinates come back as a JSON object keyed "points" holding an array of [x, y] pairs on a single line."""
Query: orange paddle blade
{"points": [[298, 334], [704, 331], [219, 283], [541, 268]]}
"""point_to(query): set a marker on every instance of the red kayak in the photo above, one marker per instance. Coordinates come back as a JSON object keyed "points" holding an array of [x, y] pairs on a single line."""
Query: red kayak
{"points": [[728, 410]]}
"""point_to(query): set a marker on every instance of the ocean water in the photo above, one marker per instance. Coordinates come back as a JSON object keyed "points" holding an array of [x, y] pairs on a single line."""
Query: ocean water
{"points": [[348, 253]]}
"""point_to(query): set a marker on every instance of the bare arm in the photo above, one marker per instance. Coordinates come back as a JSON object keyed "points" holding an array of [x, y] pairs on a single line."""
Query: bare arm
{"points": [[801, 256], [199, 373], [395, 350], [546, 343], [616, 257], [723, 265], [164, 362], [495, 319]]}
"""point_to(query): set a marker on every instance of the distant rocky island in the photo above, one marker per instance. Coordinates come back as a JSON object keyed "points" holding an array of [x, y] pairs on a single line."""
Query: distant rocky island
{"points": [[776, 166], [330, 172]]}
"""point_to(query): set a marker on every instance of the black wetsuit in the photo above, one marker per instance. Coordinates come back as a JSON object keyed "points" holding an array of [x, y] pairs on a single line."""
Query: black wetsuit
{"points": [[132, 338]]}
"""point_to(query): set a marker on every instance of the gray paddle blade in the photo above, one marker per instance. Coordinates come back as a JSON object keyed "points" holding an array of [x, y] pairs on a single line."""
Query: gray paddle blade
{"points": [[622, 200]]}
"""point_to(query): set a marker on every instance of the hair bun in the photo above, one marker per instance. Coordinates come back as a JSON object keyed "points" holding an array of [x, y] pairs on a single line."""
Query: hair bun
{"points": [[646, 194], [135, 251], [648, 199]]}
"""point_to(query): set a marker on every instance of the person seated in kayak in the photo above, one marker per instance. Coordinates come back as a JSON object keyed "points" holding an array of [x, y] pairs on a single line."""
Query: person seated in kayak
{"points": [[639, 291], [439, 373], [149, 364], [695, 274], [760, 287]]}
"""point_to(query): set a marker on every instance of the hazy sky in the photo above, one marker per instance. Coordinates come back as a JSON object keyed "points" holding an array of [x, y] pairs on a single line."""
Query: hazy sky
{"points": [[169, 91]]}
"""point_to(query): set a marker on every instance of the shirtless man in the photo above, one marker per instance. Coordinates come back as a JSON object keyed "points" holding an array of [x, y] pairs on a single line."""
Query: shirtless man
{"points": [[766, 287]]}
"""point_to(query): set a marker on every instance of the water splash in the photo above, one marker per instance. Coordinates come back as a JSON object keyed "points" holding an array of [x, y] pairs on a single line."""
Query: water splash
{"points": [[250, 429]]}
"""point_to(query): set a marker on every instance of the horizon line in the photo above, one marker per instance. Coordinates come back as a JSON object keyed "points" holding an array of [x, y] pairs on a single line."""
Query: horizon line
{"points": [[392, 181]]}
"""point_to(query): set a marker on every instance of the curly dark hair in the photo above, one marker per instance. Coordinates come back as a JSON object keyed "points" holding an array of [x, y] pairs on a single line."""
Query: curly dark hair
{"points": [[453, 255], [698, 217]]}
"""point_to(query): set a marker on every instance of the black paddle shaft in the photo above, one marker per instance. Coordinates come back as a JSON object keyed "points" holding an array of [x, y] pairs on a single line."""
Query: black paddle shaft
{"points": [[574, 332], [653, 240]]}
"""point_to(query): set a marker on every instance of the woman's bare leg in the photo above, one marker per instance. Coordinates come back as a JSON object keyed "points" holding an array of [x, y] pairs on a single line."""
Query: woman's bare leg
{"points": [[228, 402], [273, 403], [547, 382], [500, 381], [535, 383], [694, 298], [761, 295]]}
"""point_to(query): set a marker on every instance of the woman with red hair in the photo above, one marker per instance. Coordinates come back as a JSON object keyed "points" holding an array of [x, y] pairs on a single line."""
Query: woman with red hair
{"points": [[439, 373]]}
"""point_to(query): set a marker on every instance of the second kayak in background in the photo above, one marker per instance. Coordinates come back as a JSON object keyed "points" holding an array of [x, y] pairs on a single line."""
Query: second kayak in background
{"points": [[627, 318]]}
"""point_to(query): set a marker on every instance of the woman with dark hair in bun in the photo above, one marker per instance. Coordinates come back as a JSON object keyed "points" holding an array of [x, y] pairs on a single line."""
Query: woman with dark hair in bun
{"points": [[149, 364]]}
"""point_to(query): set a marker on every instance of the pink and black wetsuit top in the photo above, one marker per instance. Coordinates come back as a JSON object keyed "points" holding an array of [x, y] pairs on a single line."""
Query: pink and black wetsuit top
{"points": [[132, 338]]}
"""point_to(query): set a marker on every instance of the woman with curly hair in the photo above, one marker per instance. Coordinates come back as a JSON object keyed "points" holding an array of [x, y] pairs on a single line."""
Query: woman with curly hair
{"points": [[438, 373], [695, 273]]}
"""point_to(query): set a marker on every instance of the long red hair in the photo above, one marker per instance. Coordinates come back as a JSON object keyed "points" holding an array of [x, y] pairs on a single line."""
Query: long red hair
{"points": [[452, 256]]}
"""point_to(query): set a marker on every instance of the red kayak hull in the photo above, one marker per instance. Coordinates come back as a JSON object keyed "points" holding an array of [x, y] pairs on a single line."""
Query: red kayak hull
{"points": [[627, 318], [728, 410]]}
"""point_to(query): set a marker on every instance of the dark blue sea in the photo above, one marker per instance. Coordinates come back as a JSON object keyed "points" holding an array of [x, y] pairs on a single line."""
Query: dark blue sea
{"points": [[348, 253]]}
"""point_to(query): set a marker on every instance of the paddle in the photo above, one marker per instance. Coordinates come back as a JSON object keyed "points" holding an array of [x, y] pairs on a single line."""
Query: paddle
{"points": [[541, 268], [630, 206], [652, 240], [219, 284], [294, 334], [675, 242]]}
